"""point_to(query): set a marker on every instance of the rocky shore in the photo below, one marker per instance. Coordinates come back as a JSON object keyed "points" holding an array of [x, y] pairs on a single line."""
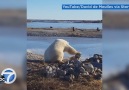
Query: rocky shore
{"points": [[67, 32], [43, 76]]}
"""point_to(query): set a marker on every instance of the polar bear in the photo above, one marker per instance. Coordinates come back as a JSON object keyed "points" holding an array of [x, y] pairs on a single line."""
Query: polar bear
{"points": [[55, 52]]}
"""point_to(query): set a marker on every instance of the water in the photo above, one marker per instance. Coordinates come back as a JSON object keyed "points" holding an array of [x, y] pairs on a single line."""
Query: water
{"points": [[115, 51], [64, 25], [13, 48], [87, 46]]}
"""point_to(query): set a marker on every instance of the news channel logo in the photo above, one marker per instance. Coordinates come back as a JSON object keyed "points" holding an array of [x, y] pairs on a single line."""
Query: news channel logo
{"points": [[8, 76]]}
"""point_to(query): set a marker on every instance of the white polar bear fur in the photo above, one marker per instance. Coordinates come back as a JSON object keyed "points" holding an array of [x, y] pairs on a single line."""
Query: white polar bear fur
{"points": [[55, 52]]}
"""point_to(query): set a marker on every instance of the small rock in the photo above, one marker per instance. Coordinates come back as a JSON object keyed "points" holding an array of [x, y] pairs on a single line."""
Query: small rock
{"points": [[88, 67]]}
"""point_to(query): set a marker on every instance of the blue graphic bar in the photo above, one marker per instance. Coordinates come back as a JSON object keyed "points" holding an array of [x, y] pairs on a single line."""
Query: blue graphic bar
{"points": [[95, 6]]}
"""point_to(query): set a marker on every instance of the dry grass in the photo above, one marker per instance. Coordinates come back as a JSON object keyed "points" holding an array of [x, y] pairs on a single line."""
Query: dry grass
{"points": [[36, 81]]}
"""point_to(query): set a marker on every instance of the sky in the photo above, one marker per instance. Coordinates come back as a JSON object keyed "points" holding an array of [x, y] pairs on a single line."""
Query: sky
{"points": [[52, 10], [13, 4]]}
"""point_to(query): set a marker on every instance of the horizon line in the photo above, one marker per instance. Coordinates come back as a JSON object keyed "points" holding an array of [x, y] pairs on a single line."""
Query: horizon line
{"points": [[61, 19]]}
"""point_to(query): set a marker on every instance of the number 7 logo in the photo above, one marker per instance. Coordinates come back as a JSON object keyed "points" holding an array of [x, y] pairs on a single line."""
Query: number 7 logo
{"points": [[9, 75]]}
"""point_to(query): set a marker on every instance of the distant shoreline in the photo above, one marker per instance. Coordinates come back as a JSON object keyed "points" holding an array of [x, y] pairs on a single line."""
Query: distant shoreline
{"points": [[64, 32], [65, 21]]}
